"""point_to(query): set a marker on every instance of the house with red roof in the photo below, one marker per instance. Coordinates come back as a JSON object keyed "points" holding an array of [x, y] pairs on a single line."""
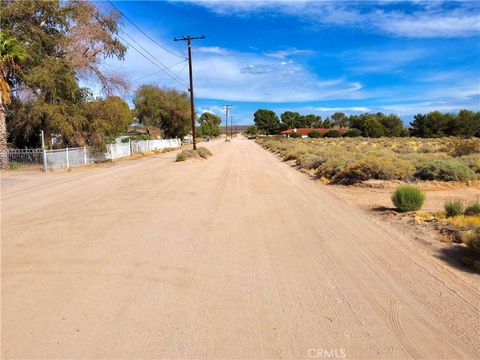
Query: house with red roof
{"points": [[305, 131]]}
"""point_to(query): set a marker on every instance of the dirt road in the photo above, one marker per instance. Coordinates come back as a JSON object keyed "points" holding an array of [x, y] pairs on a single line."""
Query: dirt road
{"points": [[239, 256]]}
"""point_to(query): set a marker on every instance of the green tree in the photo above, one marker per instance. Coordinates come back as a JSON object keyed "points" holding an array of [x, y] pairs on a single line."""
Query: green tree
{"points": [[11, 54], [291, 120], [327, 123], [267, 121], [433, 124], [340, 119], [311, 121], [251, 130], [393, 125], [466, 123], [373, 128], [209, 125], [106, 120], [166, 109], [56, 35]]}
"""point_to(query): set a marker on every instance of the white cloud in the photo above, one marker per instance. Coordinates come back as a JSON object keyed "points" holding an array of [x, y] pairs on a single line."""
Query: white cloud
{"points": [[283, 54], [226, 74], [429, 21], [212, 50]]}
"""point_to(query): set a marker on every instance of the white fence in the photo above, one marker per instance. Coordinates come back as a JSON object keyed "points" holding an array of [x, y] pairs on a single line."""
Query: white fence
{"points": [[65, 158], [115, 151], [139, 146], [70, 157]]}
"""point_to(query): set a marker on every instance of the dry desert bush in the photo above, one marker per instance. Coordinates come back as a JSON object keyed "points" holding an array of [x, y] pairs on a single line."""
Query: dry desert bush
{"points": [[351, 160]]}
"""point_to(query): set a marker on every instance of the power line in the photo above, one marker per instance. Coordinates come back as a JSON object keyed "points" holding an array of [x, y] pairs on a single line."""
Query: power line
{"points": [[154, 63], [167, 71], [179, 72], [164, 69], [159, 71], [143, 32]]}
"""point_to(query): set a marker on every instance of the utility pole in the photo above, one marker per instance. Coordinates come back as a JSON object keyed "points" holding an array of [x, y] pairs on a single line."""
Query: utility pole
{"points": [[231, 127], [192, 108], [226, 108]]}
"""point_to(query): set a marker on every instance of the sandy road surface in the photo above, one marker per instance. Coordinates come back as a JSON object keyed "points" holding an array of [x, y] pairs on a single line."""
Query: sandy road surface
{"points": [[239, 256]]}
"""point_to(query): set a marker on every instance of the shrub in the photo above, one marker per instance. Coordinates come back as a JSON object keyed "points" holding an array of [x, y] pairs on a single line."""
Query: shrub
{"points": [[204, 152], [473, 209], [314, 134], [13, 165], [181, 157], [186, 154], [309, 161], [333, 134], [295, 135], [473, 239], [454, 208], [353, 133], [333, 165], [466, 147], [446, 170], [408, 198], [136, 137], [376, 167]]}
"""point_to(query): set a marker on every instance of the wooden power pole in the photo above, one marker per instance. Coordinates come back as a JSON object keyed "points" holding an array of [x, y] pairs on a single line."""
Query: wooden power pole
{"points": [[188, 39], [226, 108]]}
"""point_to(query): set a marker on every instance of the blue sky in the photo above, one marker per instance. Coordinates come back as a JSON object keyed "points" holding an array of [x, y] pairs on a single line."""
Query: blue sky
{"points": [[312, 57]]}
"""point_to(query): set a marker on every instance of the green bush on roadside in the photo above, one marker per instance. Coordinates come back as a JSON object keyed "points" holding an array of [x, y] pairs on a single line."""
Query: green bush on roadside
{"points": [[454, 208], [295, 135], [408, 198], [446, 170], [473, 209], [13, 165]]}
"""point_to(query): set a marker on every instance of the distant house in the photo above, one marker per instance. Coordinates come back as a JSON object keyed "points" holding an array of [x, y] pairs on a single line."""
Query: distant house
{"points": [[305, 131]]}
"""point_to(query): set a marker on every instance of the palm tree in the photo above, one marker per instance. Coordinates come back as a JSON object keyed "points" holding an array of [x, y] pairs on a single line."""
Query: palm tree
{"points": [[11, 53]]}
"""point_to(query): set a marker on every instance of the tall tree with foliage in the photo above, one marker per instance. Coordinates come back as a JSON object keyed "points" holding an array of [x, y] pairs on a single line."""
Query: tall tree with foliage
{"points": [[291, 120], [166, 109], [311, 121], [64, 41], [106, 118], [11, 54], [340, 119], [209, 125], [267, 121]]}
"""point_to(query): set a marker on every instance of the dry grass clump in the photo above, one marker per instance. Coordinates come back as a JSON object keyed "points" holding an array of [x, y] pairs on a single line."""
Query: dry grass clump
{"points": [[204, 153], [375, 167], [201, 152], [350, 160]]}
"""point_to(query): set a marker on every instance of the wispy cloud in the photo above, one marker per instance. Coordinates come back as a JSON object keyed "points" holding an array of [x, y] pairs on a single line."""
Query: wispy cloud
{"points": [[283, 54], [428, 20], [232, 75]]}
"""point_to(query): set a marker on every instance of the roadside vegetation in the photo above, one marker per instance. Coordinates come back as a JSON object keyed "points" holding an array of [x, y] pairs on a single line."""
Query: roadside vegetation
{"points": [[352, 160], [49, 51], [201, 152], [465, 123]]}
